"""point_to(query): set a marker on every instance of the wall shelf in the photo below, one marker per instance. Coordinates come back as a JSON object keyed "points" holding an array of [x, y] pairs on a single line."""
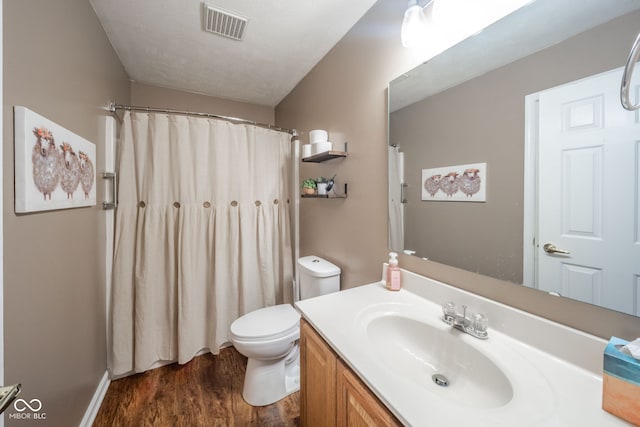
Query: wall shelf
{"points": [[332, 195], [324, 196], [323, 157]]}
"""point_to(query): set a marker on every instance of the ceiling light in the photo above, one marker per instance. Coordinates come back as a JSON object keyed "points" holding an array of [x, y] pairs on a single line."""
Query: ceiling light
{"points": [[414, 24]]}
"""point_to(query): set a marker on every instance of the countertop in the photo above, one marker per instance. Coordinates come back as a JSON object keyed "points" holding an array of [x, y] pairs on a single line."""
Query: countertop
{"points": [[555, 370]]}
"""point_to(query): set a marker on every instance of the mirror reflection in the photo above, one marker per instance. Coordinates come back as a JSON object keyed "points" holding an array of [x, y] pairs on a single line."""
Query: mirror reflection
{"points": [[535, 97]]}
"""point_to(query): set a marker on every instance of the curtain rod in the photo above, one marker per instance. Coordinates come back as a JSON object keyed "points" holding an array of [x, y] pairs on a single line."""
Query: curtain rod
{"points": [[113, 107]]}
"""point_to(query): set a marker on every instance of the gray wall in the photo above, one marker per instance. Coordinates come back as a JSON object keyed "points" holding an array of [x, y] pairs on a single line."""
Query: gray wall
{"points": [[346, 92], [58, 63], [488, 126], [144, 95]]}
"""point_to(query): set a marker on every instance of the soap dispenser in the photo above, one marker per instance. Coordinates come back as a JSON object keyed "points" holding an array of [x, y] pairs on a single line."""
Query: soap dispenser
{"points": [[394, 275]]}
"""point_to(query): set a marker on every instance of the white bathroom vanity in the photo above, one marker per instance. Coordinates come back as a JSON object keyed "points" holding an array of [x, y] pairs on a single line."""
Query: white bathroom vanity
{"points": [[528, 372]]}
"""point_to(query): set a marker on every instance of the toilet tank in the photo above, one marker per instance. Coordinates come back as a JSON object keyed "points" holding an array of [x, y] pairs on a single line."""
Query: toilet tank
{"points": [[317, 277]]}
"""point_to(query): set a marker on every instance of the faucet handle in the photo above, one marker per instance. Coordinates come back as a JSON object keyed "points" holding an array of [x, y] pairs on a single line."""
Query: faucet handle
{"points": [[480, 324], [449, 309]]}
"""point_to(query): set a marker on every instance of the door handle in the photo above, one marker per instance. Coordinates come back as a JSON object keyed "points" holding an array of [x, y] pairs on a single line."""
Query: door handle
{"points": [[550, 248]]}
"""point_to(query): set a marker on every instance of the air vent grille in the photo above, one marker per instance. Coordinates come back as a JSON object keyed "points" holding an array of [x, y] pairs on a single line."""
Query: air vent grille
{"points": [[223, 23]]}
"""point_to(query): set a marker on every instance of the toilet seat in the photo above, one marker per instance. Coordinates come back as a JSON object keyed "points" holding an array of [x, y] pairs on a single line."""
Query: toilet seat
{"points": [[266, 323]]}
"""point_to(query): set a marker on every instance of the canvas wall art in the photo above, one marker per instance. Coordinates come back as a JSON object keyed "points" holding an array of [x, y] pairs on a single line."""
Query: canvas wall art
{"points": [[462, 183], [54, 167]]}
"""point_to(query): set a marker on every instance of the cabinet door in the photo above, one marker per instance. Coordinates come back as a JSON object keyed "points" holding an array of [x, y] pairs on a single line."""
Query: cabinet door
{"points": [[317, 380], [357, 406]]}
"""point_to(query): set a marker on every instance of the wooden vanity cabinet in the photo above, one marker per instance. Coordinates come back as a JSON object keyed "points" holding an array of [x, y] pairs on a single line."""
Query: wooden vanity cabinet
{"points": [[317, 380], [356, 405], [330, 393]]}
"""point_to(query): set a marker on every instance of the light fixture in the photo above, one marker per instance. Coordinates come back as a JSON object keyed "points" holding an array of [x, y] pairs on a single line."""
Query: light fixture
{"points": [[414, 24]]}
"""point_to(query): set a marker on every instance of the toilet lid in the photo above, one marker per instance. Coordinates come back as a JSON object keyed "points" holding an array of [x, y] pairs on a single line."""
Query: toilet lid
{"points": [[266, 322]]}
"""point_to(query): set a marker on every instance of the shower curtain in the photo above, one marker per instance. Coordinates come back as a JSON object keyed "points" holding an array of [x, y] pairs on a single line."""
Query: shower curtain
{"points": [[396, 207], [202, 235]]}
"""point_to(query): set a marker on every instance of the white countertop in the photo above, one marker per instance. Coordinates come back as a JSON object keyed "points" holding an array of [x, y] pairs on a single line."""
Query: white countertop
{"points": [[555, 371]]}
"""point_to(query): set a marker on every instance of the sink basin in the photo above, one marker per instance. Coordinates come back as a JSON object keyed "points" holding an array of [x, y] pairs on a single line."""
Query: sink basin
{"points": [[417, 350]]}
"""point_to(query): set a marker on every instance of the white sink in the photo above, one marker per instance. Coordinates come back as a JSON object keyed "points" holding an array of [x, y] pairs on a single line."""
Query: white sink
{"points": [[408, 341], [419, 351]]}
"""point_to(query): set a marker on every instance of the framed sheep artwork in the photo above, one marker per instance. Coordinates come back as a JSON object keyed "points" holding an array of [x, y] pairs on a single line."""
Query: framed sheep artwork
{"points": [[54, 167], [462, 183]]}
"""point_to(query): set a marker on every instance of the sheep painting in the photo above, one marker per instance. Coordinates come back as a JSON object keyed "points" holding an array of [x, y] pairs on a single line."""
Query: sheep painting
{"points": [[461, 183], [432, 184], [54, 167], [45, 159], [470, 182], [69, 170], [450, 183], [86, 173]]}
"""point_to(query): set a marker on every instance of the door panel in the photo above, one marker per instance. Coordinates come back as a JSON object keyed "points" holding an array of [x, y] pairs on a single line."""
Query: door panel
{"points": [[582, 283], [581, 194]]}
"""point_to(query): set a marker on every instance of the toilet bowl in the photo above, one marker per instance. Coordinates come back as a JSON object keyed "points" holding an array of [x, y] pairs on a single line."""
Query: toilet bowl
{"points": [[269, 336]]}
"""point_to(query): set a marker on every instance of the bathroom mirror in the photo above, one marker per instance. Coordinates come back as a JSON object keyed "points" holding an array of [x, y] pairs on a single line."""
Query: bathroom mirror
{"points": [[477, 103]]}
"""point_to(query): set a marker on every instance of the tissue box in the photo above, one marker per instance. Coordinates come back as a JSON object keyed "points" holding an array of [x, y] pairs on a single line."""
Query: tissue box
{"points": [[621, 383]]}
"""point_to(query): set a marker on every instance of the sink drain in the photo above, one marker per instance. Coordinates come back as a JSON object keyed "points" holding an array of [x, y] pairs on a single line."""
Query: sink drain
{"points": [[440, 380]]}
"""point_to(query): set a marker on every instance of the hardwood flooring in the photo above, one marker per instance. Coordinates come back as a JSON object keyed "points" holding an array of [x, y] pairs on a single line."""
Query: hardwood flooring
{"points": [[204, 392]]}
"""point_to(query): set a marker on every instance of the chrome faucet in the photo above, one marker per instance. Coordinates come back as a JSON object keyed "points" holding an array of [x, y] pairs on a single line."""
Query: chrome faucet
{"points": [[475, 325]]}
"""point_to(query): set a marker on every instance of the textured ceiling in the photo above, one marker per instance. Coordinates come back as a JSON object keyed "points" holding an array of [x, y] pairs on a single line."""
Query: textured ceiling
{"points": [[161, 43]]}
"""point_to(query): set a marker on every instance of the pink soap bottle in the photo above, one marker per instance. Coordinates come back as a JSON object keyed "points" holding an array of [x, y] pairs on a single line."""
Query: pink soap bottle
{"points": [[394, 275]]}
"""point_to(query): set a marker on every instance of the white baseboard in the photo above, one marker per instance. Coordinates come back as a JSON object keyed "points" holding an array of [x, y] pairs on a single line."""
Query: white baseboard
{"points": [[96, 401]]}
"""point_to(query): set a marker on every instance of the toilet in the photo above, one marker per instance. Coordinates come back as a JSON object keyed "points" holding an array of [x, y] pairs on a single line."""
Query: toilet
{"points": [[268, 337]]}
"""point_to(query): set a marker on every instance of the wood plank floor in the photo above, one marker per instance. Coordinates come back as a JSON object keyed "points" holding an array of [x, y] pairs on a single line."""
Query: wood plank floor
{"points": [[204, 392]]}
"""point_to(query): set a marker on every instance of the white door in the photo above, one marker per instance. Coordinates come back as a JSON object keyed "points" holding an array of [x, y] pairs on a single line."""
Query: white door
{"points": [[588, 193]]}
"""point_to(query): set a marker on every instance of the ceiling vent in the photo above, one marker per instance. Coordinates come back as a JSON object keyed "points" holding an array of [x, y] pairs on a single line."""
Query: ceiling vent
{"points": [[223, 23]]}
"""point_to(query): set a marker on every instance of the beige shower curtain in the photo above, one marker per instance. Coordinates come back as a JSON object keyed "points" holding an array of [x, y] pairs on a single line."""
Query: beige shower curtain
{"points": [[202, 235]]}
